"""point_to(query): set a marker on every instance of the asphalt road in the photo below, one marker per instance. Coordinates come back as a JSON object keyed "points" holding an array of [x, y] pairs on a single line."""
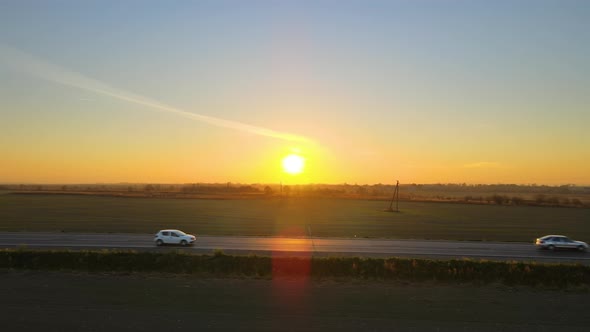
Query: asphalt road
{"points": [[302, 246]]}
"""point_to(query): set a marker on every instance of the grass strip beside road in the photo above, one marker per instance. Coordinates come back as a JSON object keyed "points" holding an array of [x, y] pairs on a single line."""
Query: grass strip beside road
{"points": [[355, 268]]}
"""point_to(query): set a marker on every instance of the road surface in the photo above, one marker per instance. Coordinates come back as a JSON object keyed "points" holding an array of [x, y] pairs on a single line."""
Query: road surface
{"points": [[302, 246]]}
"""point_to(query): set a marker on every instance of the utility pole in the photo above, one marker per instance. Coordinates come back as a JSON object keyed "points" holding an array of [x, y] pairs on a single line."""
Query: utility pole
{"points": [[310, 236], [395, 198]]}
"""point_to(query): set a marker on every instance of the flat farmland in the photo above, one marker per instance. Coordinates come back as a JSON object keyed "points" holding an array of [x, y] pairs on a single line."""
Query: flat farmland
{"points": [[290, 217], [154, 302]]}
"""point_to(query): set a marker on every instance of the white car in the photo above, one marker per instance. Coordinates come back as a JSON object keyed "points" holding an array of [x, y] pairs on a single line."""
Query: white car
{"points": [[553, 242], [173, 236]]}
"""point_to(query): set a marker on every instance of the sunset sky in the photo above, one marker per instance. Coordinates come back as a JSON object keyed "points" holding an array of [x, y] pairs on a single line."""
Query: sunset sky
{"points": [[365, 91]]}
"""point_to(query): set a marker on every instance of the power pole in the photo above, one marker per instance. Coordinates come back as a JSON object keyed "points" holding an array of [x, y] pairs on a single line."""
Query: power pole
{"points": [[310, 236], [395, 198]]}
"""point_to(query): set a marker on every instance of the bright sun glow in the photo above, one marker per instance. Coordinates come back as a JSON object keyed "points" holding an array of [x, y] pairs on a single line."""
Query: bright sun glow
{"points": [[293, 164]]}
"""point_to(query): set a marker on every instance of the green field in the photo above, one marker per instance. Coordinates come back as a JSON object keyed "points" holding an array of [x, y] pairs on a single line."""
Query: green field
{"points": [[290, 217], [59, 301]]}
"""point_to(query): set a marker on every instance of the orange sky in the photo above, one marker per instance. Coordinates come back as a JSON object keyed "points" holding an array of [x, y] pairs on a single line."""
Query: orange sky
{"points": [[367, 92]]}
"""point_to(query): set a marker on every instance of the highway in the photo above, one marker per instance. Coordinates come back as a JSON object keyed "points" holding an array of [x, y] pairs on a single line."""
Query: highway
{"points": [[300, 246]]}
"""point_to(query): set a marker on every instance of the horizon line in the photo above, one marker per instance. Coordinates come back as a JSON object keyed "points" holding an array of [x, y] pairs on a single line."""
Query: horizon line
{"points": [[296, 184]]}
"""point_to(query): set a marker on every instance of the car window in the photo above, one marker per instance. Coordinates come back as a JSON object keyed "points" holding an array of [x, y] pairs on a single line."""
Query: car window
{"points": [[165, 233], [174, 234]]}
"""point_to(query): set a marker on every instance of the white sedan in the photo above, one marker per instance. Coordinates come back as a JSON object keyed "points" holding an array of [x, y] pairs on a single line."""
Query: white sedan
{"points": [[173, 236]]}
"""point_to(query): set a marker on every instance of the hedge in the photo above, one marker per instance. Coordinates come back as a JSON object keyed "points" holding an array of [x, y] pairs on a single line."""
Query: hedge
{"points": [[219, 264]]}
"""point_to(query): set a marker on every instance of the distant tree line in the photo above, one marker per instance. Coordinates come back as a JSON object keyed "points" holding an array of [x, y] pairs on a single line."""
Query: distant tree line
{"points": [[499, 194], [539, 200], [533, 188], [228, 188]]}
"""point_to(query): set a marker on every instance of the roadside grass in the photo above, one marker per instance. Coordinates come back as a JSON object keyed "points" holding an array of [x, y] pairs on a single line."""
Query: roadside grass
{"points": [[220, 265], [74, 301], [290, 217]]}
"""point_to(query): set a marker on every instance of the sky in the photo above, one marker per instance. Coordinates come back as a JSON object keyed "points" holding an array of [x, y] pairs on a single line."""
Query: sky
{"points": [[365, 91]]}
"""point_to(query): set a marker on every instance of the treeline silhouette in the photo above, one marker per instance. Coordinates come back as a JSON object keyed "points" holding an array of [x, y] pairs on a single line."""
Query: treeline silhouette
{"points": [[500, 194]]}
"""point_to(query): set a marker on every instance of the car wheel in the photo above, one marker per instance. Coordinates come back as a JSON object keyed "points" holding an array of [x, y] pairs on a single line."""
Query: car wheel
{"points": [[159, 243], [581, 248], [551, 247], [183, 243]]}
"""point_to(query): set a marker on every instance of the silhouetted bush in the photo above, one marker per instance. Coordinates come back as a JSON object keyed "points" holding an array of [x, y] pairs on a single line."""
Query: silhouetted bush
{"points": [[219, 264], [577, 202], [540, 199], [498, 199], [517, 200]]}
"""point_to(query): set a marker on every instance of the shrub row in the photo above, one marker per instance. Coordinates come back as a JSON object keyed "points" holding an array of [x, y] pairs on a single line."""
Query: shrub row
{"points": [[511, 273], [132, 261], [219, 264]]}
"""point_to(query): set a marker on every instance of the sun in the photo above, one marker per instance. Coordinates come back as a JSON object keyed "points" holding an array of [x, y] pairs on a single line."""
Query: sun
{"points": [[293, 164]]}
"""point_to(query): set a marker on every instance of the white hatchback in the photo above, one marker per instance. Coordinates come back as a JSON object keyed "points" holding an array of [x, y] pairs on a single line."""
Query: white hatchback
{"points": [[173, 236]]}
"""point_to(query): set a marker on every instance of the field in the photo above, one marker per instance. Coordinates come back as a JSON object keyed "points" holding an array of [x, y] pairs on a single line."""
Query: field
{"points": [[290, 217], [100, 302], [158, 301]]}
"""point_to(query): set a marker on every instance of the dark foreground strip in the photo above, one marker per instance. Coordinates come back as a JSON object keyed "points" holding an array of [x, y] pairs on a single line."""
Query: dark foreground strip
{"points": [[221, 265]]}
